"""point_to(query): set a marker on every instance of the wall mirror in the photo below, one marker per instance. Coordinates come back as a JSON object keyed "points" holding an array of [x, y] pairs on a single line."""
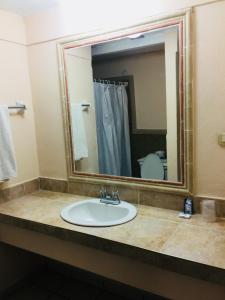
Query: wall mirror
{"points": [[126, 100]]}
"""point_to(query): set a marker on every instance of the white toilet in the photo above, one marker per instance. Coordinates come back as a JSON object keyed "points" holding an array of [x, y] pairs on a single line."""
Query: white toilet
{"points": [[152, 167]]}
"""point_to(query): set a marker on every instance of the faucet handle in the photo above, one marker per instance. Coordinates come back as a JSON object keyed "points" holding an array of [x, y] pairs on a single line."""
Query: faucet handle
{"points": [[102, 192], [115, 194]]}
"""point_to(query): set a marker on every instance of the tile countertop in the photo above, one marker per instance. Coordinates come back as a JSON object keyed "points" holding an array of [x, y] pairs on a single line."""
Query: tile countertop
{"points": [[156, 236]]}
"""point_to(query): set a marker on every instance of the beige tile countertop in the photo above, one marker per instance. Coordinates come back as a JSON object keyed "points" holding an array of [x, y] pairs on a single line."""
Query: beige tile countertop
{"points": [[156, 236]]}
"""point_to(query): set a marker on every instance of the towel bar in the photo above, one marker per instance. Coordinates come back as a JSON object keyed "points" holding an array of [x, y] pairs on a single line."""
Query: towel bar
{"points": [[18, 106]]}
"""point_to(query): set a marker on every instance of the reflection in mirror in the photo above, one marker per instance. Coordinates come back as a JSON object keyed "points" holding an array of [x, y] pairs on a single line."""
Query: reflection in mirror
{"points": [[124, 106]]}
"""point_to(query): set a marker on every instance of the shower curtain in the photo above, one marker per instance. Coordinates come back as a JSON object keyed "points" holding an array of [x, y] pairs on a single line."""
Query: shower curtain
{"points": [[112, 129]]}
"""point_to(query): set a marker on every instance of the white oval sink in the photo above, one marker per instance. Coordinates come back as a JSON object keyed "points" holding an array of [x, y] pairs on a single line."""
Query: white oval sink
{"points": [[94, 213]]}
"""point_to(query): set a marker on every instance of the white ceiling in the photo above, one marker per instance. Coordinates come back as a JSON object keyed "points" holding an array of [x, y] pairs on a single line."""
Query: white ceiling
{"points": [[27, 7]]}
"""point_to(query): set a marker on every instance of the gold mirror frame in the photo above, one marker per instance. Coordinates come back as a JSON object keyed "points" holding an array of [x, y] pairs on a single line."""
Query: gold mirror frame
{"points": [[182, 20]]}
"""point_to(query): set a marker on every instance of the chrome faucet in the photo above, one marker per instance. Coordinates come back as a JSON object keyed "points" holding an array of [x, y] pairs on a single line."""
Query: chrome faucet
{"points": [[109, 198]]}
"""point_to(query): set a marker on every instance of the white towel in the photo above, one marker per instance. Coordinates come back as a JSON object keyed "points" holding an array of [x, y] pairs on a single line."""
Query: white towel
{"points": [[7, 154], [80, 147]]}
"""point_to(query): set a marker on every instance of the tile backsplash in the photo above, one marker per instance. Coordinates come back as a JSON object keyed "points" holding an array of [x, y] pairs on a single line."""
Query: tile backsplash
{"points": [[151, 198], [142, 197], [19, 190]]}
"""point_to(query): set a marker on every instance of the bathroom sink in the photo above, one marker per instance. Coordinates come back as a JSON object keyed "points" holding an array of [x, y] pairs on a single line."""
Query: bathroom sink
{"points": [[94, 213]]}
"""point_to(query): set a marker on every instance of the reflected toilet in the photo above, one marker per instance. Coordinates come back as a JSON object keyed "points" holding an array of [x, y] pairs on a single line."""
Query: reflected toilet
{"points": [[152, 167]]}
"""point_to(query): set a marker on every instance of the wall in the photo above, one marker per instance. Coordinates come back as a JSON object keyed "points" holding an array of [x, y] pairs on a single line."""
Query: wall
{"points": [[150, 95], [80, 87], [209, 73], [48, 110], [171, 37], [71, 18], [209, 99], [15, 85]]}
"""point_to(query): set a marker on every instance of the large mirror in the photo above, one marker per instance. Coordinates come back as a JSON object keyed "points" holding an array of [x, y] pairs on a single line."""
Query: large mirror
{"points": [[126, 99]]}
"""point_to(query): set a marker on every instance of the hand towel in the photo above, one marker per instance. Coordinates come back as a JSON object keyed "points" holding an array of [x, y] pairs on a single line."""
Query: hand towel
{"points": [[7, 153], [80, 146]]}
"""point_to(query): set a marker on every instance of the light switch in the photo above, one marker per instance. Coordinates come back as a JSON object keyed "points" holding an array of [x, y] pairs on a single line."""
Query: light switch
{"points": [[221, 139]]}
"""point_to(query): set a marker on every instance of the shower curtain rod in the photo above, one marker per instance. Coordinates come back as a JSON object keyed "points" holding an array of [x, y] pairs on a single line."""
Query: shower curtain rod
{"points": [[111, 82]]}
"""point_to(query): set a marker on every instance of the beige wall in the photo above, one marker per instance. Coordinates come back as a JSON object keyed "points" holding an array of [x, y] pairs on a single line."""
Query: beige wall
{"points": [[150, 95], [73, 18], [15, 85], [12, 28], [171, 103], [209, 101], [80, 87], [209, 74], [48, 110]]}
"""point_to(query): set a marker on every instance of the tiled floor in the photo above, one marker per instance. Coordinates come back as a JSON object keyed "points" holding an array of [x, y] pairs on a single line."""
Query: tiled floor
{"points": [[51, 285]]}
